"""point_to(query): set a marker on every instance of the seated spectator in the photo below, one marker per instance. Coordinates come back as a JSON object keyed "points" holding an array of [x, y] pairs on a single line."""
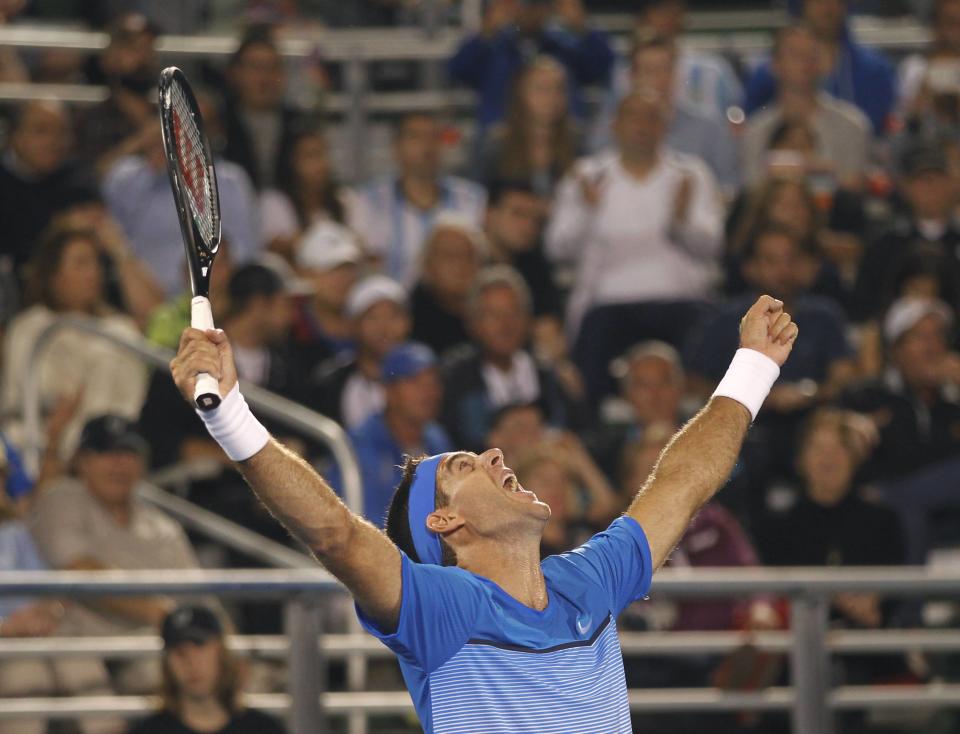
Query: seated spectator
{"points": [[95, 521], [36, 180], [128, 67], [258, 126], [202, 681], [406, 426], [654, 65], [452, 256], [307, 191], [841, 132], [538, 141], [395, 215], [137, 192], [348, 388], [517, 429], [328, 259], [854, 73], [930, 194], [636, 278], [67, 279], [515, 31], [925, 76], [497, 370]]}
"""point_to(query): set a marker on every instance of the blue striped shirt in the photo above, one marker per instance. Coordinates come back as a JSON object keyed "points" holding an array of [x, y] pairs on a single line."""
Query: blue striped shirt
{"points": [[477, 661]]}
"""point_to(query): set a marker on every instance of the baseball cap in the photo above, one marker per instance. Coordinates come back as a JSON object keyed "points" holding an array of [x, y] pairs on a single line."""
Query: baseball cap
{"points": [[923, 155], [407, 360], [190, 623], [107, 433], [906, 312], [371, 290], [326, 245]]}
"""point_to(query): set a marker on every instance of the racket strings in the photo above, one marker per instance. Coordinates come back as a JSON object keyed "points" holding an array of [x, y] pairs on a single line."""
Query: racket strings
{"points": [[193, 165]]}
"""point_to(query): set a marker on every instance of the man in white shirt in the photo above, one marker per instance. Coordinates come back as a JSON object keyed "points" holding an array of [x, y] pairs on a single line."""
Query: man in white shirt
{"points": [[643, 226], [395, 214]]}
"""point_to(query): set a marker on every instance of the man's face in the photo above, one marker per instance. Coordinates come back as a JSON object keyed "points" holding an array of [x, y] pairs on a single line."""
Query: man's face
{"points": [[196, 668], [452, 263], [516, 221], [331, 286], [919, 352], [827, 466], [640, 125], [382, 327], [110, 476], [797, 63], [518, 430], [825, 17], [276, 316], [416, 398], [931, 194], [259, 78], [653, 68], [42, 139], [654, 389], [500, 323], [666, 18], [775, 266], [417, 147]]}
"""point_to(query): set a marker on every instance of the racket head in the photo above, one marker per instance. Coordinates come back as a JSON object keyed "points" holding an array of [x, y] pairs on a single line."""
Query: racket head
{"points": [[192, 175]]}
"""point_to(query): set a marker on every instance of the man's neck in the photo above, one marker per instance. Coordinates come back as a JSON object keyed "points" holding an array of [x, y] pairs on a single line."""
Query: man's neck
{"points": [[797, 102], [514, 566], [407, 433], [503, 362], [497, 251], [368, 364], [204, 714], [120, 512], [639, 163], [421, 191], [244, 332]]}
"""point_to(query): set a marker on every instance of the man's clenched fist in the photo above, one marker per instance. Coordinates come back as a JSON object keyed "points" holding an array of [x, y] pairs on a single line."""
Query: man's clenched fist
{"points": [[767, 328], [203, 351]]}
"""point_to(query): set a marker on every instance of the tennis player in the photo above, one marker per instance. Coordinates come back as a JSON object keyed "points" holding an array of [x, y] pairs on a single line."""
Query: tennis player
{"points": [[491, 639]]}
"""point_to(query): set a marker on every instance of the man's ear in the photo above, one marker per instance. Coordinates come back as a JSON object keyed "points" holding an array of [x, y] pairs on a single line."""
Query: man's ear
{"points": [[444, 521]]}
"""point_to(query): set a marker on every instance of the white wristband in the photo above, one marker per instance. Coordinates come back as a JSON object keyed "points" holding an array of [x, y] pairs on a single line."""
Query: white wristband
{"points": [[748, 380], [234, 427]]}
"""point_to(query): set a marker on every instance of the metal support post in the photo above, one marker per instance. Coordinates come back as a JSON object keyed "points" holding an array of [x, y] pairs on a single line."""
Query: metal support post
{"points": [[355, 82], [809, 666], [432, 69], [307, 667]]}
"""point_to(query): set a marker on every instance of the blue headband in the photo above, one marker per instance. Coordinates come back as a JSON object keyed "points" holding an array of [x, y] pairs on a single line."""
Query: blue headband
{"points": [[423, 501]]}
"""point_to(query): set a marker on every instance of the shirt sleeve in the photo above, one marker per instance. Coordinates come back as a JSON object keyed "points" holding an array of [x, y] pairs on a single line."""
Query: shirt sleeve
{"points": [[437, 612], [58, 526], [617, 559]]}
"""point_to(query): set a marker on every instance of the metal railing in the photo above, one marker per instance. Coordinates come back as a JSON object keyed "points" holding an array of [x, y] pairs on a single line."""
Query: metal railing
{"points": [[810, 699]]}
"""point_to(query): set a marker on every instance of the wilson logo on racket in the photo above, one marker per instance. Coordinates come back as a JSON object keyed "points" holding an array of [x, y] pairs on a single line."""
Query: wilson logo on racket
{"points": [[192, 167]]}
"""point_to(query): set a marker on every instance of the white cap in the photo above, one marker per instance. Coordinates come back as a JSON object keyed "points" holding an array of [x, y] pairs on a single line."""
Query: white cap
{"points": [[450, 219], [371, 290], [325, 245], [906, 312]]}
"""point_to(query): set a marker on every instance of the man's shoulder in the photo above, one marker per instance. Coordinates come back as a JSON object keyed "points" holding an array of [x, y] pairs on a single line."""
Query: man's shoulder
{"points": [[251, 721], [61, 492], [125, 169], [841, 114], [159, 723]]}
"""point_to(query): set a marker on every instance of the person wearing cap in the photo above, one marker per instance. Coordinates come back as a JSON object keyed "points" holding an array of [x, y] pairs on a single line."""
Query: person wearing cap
{"points": [[95, 521], [405, 427], [328, 259], [202, 681], [348, 388], [930, 195], [456, 587]]}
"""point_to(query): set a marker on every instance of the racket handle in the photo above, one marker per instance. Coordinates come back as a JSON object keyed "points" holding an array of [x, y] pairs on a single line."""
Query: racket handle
{"points": [[206, 394]]}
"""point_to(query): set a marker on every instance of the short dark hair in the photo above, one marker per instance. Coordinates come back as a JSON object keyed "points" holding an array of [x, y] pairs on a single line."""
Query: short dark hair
{"points": [[398, 522], [767, 230], [781, 35], [259, 34], [250, 281], [501, 188], [505, 411], [646, 40]]}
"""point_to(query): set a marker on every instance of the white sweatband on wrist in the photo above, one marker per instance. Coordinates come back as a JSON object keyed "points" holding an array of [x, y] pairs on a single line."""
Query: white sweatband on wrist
{"points": [[234, 427], [748, 380]]}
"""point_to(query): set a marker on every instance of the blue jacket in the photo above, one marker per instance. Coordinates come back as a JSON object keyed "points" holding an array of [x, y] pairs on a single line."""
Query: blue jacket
{"points": [[489, 65], [861, 76]]}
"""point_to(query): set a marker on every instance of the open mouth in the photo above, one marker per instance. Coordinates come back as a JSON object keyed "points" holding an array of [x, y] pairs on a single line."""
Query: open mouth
{"points": [[512, 485]]}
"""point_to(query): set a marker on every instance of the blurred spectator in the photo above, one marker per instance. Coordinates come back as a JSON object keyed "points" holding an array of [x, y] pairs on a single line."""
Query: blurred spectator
{"points": [[516, 429], [636, 277], [914, 405], [307, 191], [67, 279], [841, 133], [930, 194], [258, 127], [128, 67], [395, 215], [95, 521], [934, 73], [848, 71], [515, 32], [137, 191], [328, 260], [452, 256], [704, 81], [539, 140], [36, 181], [653, 66], [498, 370], [348, 388], [202, 681], [406, 426], [12, 68]]}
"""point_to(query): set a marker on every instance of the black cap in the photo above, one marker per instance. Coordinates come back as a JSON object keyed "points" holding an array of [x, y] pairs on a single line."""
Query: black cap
{"points": [[190, 624], [107, 433], [923, 155]]}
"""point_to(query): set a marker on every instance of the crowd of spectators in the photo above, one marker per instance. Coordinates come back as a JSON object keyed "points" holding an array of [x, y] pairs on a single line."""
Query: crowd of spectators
{"points": [[571, 294]]}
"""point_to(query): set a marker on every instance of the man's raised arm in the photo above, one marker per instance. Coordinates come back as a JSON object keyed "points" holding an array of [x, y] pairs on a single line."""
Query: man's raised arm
{"points": [[352, 549], [698, 460]]}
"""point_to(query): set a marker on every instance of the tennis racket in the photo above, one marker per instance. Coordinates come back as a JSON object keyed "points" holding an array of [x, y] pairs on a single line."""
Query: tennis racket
{"points": [[194, 184]]}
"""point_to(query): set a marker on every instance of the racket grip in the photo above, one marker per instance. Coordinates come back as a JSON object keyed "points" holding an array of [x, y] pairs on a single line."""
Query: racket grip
{"points": [[206, 394]]}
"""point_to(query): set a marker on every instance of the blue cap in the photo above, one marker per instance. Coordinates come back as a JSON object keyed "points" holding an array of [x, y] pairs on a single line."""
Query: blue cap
{"points": [[423, 501], [407, 360]]}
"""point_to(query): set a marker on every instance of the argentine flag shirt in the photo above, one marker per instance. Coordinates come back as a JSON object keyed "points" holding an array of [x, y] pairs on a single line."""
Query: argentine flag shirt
{"points": [[477, 661]]}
